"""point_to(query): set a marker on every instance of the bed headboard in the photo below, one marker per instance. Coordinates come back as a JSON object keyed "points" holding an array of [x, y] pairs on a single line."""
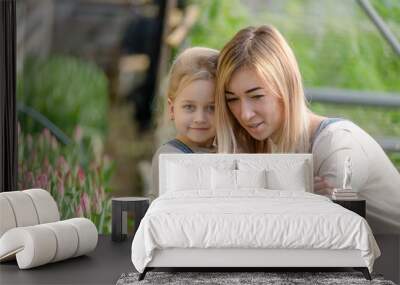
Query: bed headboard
{"points": [[284, 165]]}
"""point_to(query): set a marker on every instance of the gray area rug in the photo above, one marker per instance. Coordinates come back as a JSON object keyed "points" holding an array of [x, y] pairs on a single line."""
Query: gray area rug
{"points": [[226, 278]]}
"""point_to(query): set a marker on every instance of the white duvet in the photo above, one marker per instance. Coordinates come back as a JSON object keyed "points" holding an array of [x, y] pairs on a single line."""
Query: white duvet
{"points": [[252, 218]]}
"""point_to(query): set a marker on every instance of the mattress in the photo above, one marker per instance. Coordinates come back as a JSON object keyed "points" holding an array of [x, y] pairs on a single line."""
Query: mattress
{"points": [[250, 219]]}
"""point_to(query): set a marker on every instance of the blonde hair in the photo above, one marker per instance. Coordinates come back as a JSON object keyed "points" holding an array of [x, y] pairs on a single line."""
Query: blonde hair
{"points": [[264, 50], [197, 63]]}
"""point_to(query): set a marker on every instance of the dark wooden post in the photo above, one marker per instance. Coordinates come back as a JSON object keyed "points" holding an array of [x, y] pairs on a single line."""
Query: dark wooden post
{"points": [[8, 118]]}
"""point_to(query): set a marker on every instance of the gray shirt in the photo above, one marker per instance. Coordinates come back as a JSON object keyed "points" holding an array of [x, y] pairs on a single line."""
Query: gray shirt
{"points": [[167, 148]]}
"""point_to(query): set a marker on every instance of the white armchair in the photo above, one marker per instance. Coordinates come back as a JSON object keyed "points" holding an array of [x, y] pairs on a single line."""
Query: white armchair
{"points": [[31, 232]]}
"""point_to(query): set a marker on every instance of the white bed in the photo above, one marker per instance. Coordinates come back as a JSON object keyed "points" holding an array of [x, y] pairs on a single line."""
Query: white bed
{"points": [[247, 210]]}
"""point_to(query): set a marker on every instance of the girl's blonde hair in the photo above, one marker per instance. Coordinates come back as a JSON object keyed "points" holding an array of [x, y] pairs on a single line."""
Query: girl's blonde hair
{"points": [[197, 63], [264, 50]]}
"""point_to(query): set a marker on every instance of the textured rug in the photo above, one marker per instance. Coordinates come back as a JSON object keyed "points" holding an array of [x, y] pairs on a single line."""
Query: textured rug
{"points": [[229, 278]]}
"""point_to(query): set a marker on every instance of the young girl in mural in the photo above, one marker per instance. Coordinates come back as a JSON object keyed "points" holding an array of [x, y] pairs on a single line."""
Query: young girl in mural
{"points": [[261, 108], [190, 98]]}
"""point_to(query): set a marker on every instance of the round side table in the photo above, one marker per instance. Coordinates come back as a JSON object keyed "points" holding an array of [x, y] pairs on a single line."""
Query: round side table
{"points": [[120, 208]]}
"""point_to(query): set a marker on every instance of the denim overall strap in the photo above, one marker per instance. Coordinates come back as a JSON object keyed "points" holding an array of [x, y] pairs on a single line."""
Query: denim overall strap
{"points": [[180, 145]]}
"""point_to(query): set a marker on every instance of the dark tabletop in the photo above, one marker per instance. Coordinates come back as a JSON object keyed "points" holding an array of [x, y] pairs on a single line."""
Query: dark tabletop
{"points": [[104, 265]]}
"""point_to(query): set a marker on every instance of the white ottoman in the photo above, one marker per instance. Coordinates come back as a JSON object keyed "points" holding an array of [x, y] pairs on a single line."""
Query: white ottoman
{"points": [[31, 232]]}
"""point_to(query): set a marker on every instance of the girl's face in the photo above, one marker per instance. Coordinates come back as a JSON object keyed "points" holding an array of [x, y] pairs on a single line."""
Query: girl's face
{"points": [[193, 113], [250, 100]]}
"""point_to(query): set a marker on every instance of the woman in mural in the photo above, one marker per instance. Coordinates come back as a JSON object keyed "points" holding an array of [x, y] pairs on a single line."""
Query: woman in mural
{"points": [[261, 108]]}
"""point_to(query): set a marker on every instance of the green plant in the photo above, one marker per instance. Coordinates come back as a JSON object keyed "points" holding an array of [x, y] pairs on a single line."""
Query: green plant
{"points": [[219, 21], [395, 157], [389, 10], [80, 190], [68, 91]]}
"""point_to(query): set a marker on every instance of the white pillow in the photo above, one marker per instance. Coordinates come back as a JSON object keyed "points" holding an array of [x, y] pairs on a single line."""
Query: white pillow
{"points": [[251, 179], [228, 179], [223, 179], [293, 180], [182, 177]]}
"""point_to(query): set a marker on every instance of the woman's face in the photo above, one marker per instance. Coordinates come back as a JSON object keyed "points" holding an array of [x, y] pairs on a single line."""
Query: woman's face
{"points": [[250, 100]]}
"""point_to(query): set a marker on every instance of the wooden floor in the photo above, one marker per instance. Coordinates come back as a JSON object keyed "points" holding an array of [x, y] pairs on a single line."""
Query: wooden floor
{"points": [[102, 266], [111, 259]]}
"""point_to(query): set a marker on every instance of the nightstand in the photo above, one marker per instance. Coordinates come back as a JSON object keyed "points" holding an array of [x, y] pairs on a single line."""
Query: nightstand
{"points": [[120, 208], [355, 205]]}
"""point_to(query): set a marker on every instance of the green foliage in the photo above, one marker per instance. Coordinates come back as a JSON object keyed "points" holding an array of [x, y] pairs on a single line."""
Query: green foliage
{"points": [[219, 21], [68, 91], [389, 10], [395, 157], [350, 60], [80, 190]]}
